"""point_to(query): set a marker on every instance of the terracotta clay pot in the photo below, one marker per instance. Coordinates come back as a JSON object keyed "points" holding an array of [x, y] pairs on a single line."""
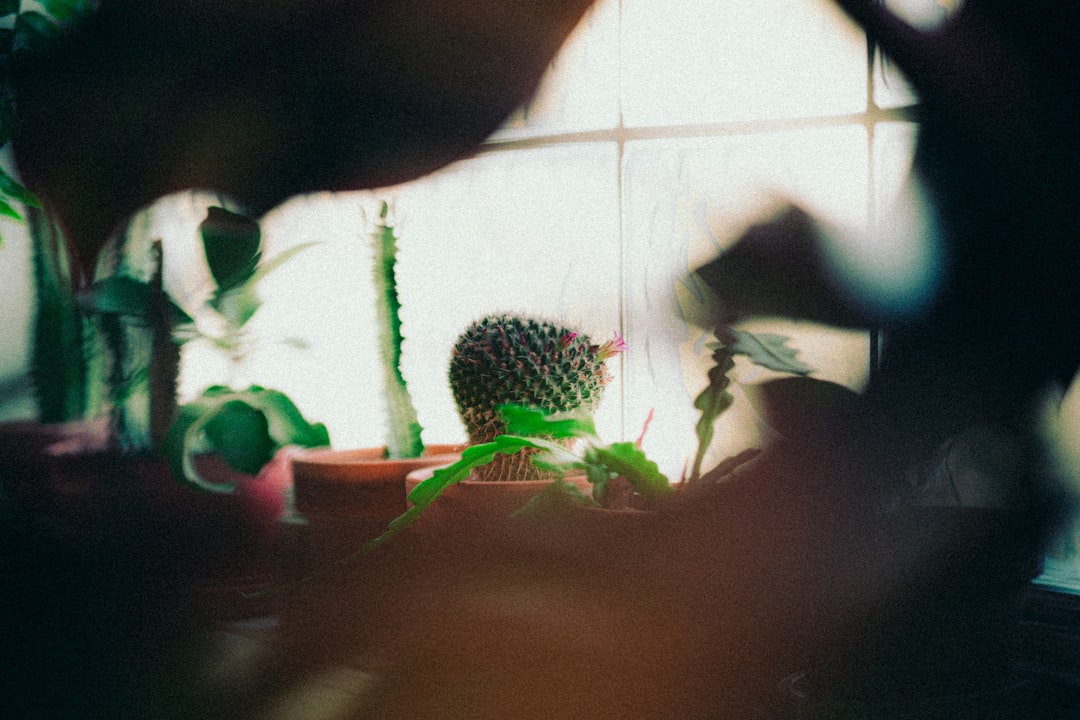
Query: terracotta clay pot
{"points": [[361, 484], [344, 497]]}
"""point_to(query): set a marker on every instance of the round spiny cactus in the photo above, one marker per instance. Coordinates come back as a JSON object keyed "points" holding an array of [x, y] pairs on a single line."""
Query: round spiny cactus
{"points": [[508, 358]]}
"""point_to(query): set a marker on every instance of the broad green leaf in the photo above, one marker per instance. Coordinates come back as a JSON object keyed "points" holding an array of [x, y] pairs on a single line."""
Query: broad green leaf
{"points": [[232, 245], [239, 433], [173, 445], [766, 349], [285, 423], [246, 427], [119, 295], [66, 10], [122, 295]]}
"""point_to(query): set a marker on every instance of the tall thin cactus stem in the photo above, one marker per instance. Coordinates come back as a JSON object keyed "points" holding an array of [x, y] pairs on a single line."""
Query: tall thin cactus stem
{"points": [[403, 429]]}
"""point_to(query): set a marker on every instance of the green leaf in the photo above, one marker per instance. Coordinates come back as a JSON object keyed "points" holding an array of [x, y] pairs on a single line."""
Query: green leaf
{"points": [[240, 434], [712, 402], [429, 490], [232, 244], [8, 211], [123, 295], [285, 423], [11, 188], [119, 295], [767, 350], [520, 420], [472, 457], [246, 427], [627, 460], [66, 10]]}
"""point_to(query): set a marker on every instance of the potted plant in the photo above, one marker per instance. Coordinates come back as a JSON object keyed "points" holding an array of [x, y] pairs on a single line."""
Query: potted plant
{"points": [[244, 426], [347, 495], [536, 425], [513, 358], [202, 474]]}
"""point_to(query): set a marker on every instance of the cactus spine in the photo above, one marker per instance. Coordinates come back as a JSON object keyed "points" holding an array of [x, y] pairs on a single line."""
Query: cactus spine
{"points": [[508, 358]]}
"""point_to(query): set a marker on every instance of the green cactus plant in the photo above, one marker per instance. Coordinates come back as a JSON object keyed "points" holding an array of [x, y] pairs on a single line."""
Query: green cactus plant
{"points": [[58, 366], [403, 434], [516, 359], [59, 362]]}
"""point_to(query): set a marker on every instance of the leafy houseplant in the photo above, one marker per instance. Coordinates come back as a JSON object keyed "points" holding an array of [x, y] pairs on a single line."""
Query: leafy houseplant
{"points": [[246, 427], [30, 30], [765, 350]]}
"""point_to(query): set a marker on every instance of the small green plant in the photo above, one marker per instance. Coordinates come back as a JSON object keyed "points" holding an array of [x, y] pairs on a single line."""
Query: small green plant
{"points": [[245, 426], [511, 359], [403, 437]]}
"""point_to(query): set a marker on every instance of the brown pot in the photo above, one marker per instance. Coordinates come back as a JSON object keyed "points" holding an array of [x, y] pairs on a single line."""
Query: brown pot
{"points": [[360, 483], [343, 497]]}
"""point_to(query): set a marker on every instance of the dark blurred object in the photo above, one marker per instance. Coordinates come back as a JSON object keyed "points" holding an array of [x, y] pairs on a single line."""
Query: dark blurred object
{"points": [[265, 100], [999, 101]]}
